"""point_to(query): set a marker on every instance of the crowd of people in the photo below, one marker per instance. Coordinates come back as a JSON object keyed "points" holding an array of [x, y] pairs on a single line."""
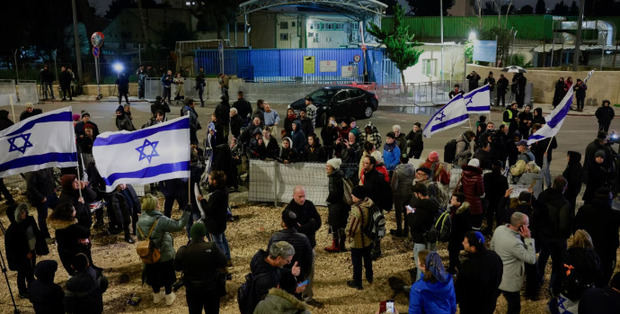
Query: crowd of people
{"points": [[506, 212]]}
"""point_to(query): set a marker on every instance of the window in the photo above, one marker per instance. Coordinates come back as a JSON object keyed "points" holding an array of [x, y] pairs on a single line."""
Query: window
{"points": [[283, 25], [283, 36], [292, 24], [429, 66]]}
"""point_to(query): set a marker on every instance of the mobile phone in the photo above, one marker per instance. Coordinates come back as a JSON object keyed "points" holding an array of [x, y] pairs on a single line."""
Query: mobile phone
{"points": [[410, 209], [389, 306], [134, 300], [303, 283]]}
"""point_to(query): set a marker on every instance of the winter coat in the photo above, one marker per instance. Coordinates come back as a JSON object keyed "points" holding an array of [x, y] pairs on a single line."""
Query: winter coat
{"points": [[600, 301], [338, 210], [82, 211], [513, 252], [539, 148], [558, 93], [329, 135], [604, 114], [288, 154], [391, 156], [161, 237], [580, 90], [495, 185], [65, 78], [5, 122], [591, 149], [477, 283], [84, 292], [535, 180], [584, 265], [46, 296], [194, 125], [244, 108], [601, 222], [306, 126], [460, 225], [265, 276], [573, 175], [598, 176], [303, 249], [215, 207], [281, 302], [16, 242], [378, 189], [473, 188], [203, 266], [415, 143], [422, 219], [401, 142], [402, 180], [123, 84], [553, 216], [71, 239], [463, 151], [235, 125], [123, 122], [222, 114], [432, 297], [315, 153], [40, 185], [307, 217], [438, 171], [299, 141], [473, 80], [502, 85], [359, 218]]}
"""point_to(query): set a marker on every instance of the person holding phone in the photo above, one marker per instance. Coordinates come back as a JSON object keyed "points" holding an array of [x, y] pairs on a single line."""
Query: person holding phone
{"points": [[508, 244]]}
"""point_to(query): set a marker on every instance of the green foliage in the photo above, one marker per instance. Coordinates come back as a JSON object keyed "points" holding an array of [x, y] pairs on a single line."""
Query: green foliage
{"points": [[469, 50], [399, 43], [518, 59]]}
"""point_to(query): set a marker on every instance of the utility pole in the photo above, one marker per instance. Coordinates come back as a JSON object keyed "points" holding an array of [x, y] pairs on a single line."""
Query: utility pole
{"points": [[441, 21], [76, 40], [577, 53]]}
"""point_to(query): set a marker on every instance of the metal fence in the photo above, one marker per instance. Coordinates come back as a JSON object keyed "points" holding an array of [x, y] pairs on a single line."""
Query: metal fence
{"points": [[18, 94]]}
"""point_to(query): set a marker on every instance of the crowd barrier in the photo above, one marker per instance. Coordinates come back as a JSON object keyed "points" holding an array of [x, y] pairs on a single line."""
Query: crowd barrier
{"points": [[20, 94]]}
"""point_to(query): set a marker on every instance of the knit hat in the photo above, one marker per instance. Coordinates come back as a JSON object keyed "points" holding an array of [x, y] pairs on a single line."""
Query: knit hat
{"points": [[599, 153], [435, 266], [359, 192], [85, 114], [75, 117], [289, 218], [433, 156], [198, 231], [335, 163], [474, 162]]}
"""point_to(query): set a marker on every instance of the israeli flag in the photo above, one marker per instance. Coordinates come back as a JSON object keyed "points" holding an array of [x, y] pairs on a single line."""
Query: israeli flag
{"points": [[556, 118], [453, 114], [478, 101], [42, 141], [160, 152]]}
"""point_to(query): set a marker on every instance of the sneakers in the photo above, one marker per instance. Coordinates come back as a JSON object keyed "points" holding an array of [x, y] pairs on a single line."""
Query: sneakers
{"points": [[169, 298], [157, 297], [355, 285]]}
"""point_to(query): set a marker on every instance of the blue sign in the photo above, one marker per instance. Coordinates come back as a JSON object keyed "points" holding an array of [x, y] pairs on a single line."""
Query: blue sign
{"points": [[96, 52], [485, 50]]}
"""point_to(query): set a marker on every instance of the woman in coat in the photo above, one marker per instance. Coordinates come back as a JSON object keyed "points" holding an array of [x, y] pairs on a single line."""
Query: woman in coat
{"points": [[23, 242], [473, 187], [359, 242], [434, 292], [161, 273], [70, 193], [574, 176], [215, 211], [71, 237], [338, 210]]}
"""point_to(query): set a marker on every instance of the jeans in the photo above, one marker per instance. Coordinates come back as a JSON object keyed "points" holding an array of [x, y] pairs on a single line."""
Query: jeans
{"points": [[166, 94], [502, 97], [417, 247], [555, 249], [201, 91], [221, 242], [514, 301], [46, 86], [357, 255], [199, 299]]}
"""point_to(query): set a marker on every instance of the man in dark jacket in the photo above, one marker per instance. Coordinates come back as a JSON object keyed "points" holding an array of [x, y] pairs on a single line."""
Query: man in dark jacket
{"points": [[599, 174], [200, 85], [41, 193], [378, 191], [65, 79], [480, 273], [236, 122], [338, 210], [502, 86], [47, 78], [122, 83], [574, 176], [46, 296], [553, 219], [222, 113], [420, 217], [602, 223], [580, 93], [415, 141], [79, 127], [267, 270], [459, 214], [84, 290], [304, 255], [204, 270], [194, 124], [495, 185], [473, 78], [604, 114], [558, 92], [602, 300], [244, 108]]}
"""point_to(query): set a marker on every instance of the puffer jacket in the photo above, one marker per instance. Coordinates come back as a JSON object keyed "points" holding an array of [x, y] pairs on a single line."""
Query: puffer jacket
{"points": [[402, 179], [358, 220], [338, 209], [281, 302], [473, 188], [161, 234]]}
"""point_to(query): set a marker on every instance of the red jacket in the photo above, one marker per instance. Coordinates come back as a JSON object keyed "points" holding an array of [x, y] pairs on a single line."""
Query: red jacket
{"points": [[439, 171], [473, 188]]}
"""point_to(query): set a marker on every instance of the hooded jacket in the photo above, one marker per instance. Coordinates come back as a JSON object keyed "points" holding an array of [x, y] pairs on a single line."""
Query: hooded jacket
{"points": [[17, 245], [202, 263], [161, 234], [84, 292], [573, 175], [46, 296], [473, 188], [432, 297], [391, 155], [71, 239], [299, 139], [553, 216], [281, 302], [338, 210], [402, 179]]}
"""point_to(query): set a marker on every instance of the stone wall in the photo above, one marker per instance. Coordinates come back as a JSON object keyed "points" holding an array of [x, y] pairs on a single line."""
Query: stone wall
{"points": [[602, 85]]}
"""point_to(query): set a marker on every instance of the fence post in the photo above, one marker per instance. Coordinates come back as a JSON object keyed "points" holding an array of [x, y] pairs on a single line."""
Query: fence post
{"points": [[276, 176]]}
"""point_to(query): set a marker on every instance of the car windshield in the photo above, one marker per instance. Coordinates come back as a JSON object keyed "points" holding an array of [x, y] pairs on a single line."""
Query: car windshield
{"points": [[322, 95]]}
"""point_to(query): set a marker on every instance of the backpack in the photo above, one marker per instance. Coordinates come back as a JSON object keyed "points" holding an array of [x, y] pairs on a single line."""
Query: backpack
{"points": [[246, 298], [375, 229], [443, 226], [347, 187], [432, 234], [146, 249], [449, 151]]}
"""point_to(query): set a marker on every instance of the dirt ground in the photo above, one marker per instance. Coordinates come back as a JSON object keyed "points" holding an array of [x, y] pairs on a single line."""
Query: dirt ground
{"points": [[250, 232]]}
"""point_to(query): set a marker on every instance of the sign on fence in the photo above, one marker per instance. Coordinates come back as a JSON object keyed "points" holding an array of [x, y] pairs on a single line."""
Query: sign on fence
{"points": [[309, 64], [328, 66]]}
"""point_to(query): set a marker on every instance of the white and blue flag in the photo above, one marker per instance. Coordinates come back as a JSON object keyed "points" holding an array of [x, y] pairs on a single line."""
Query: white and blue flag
{"points": [[556, 118], [478, 101], [42, 141], [453, 114], [160, 152]]}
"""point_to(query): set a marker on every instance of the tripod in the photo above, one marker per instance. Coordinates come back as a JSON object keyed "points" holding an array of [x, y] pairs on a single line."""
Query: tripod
{"points": [[6, 277]]}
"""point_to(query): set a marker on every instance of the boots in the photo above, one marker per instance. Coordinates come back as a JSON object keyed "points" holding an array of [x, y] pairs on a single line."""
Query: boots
{"points": [[334, 248], [342, 238]]}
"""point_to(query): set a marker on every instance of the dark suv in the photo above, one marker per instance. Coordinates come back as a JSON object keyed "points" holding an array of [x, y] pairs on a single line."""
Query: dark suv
{"points": [[341, 102]]}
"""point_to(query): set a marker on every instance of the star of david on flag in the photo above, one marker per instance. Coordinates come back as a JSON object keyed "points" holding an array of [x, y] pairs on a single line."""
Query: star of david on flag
{"points": [[14, 142], [143, 148], [453, 114]]}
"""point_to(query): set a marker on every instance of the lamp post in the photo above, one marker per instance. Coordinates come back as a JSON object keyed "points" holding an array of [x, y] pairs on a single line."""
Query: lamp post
{"points": [[441, 21]]}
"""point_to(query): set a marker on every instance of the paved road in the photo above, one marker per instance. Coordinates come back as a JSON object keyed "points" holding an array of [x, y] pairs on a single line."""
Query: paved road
{"points": [[575, 135]]}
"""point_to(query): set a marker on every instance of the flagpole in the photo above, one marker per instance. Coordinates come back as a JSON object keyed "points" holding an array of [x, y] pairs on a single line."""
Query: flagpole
{"points": [[549, 145]]}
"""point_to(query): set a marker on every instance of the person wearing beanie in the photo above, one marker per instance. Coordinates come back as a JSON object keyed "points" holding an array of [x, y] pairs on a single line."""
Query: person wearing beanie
{"points": [[434, 292], [472, 185], [460, 224], [338, 209], [359, 242], [480, 273], [45, 295], [204, 271], [380, 165], [23, 242], [391, 152], [438, 172], [79, 127], [71, 193]]}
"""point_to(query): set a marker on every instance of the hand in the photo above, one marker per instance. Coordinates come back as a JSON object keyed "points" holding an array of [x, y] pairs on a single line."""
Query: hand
{"points": [[199, 197], [44, 200], [525, 232], [81, 200], [296, 269], [508, 192], [83, 184], [300, 289]]}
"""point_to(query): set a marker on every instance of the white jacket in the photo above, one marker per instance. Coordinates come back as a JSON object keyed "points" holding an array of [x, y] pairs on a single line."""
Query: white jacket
{"points": [[513, 252]]}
